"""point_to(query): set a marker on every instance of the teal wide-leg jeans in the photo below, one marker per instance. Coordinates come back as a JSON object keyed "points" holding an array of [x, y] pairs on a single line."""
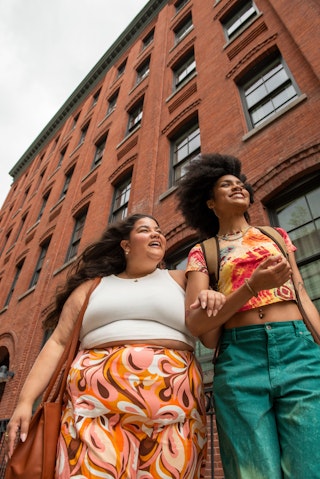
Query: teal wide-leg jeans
{"points": [[267, 401]]}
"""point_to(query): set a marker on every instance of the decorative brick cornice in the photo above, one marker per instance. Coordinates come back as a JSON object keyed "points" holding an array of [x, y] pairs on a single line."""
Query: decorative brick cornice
{"points": [[187, 110], [118, 172], [178, 229], [250, 54], [224, 9], [284, 164], [81, 203], [179, 99], [181, 51], [255, 32], [46, 234], [131, 144]]}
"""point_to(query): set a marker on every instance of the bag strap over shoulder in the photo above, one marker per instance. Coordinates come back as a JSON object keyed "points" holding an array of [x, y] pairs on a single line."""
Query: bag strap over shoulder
{"points": [[68, 355], [276, 236], [211, 252]]}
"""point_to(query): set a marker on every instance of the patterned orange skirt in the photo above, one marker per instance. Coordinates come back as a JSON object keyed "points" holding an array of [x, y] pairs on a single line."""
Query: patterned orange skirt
{"points": [[133, 411]]}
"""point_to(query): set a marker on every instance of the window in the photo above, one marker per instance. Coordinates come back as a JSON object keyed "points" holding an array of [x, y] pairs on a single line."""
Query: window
{"points": [[100, 147], [66, 183], [95, 98], [112, 103], [143, 70], [120, 200], [54, 144], [183, 29], [135, 116], [121, 69], [40, 179], [43, 205], [76, 236], [238, 18], [180, 4], [38, 268], [184, 147], [267, 89], [83, 134], [62, 155], [14, 282], [22, 223], [148, 39], [75, 120], [6, 240], [184, 71], [25, 196], [299, 215]]}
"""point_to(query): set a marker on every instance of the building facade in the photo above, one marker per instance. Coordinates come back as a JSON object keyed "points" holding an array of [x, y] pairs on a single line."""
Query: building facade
{"points": [[239, 77]]}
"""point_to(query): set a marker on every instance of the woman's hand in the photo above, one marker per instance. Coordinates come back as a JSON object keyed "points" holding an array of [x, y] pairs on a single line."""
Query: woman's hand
{"points": [[18, 427], [210, 300], [271, 273]]}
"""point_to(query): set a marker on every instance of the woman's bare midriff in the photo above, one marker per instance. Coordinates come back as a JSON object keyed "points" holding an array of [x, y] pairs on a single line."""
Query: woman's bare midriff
{"points": [[165, 343], [275, 312]]}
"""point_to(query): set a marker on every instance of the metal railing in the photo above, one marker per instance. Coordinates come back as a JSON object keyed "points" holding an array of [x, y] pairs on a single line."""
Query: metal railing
{"points": [[210, 415]]}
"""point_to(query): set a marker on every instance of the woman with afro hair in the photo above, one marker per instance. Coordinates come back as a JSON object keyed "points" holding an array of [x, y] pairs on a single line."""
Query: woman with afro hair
{"points": [[266, 372]]}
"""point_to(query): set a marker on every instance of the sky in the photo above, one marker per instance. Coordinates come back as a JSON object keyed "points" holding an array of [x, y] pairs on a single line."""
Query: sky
{"points": [[47, 47]]}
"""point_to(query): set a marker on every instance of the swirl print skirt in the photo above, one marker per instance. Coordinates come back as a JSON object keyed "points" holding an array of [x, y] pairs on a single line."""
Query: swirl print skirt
{"points": [[135, 412]]}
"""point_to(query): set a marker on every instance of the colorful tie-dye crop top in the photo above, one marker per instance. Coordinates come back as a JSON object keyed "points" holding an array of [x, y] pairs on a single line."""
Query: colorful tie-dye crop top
{"points": [[238, 259]]}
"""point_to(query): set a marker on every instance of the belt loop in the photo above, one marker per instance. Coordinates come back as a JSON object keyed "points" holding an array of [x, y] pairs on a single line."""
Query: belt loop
{"points": [[297, 326], [234, 334]]}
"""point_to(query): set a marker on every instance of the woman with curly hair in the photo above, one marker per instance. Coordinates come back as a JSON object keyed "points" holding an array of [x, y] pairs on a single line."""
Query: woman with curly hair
{"points": [[266, 374], [134, 403]]}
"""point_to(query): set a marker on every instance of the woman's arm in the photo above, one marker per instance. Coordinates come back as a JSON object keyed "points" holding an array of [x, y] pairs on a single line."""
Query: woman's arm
{"points": [[44, 366], [202, 314], [306, 302]]}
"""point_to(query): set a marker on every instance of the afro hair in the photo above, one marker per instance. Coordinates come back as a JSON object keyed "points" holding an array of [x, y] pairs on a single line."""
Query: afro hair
{"points": [[195, 189]]}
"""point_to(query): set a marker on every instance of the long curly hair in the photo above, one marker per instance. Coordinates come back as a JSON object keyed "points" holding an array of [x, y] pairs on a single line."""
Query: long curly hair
{"points": [[101, 258], [196, 186]]}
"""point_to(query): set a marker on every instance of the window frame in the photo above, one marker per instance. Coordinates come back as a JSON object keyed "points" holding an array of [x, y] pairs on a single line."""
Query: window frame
{"points": [[259, 75], [122, 191], [112, 102], [121, 68], [43, 205], [19, 267], [148, 39], [289, 196], [39, 265], [180, 4], [135, 115], [183, 140], [184, 70], [68, 176], [80, 220], [100, 147], [237, 15], [183, 28], [142, 70]]}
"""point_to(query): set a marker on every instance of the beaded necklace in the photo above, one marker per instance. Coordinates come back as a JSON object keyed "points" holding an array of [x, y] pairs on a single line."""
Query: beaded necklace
{"points": [[234, 236]]}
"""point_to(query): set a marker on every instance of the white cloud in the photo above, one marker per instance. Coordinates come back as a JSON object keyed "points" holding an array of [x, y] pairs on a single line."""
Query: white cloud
{"points": [[46, 49]]}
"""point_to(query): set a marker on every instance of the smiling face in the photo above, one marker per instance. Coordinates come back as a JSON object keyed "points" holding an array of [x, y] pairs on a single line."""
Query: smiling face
{"points": [[146, 242], [229, 194]]}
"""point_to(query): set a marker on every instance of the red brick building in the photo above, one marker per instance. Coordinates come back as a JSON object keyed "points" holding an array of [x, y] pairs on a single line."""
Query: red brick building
{"points": [[238, 77]]}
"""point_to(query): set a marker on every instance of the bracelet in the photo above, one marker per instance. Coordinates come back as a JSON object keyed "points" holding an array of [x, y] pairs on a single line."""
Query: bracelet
{"points": [[250, 288]]}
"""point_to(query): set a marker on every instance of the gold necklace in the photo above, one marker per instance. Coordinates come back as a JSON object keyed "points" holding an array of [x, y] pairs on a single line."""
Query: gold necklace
{"points": [[234, 236]]}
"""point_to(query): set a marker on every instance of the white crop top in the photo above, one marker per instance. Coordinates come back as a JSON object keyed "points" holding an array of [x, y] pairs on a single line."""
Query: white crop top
{"points": [[151, 307]]}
